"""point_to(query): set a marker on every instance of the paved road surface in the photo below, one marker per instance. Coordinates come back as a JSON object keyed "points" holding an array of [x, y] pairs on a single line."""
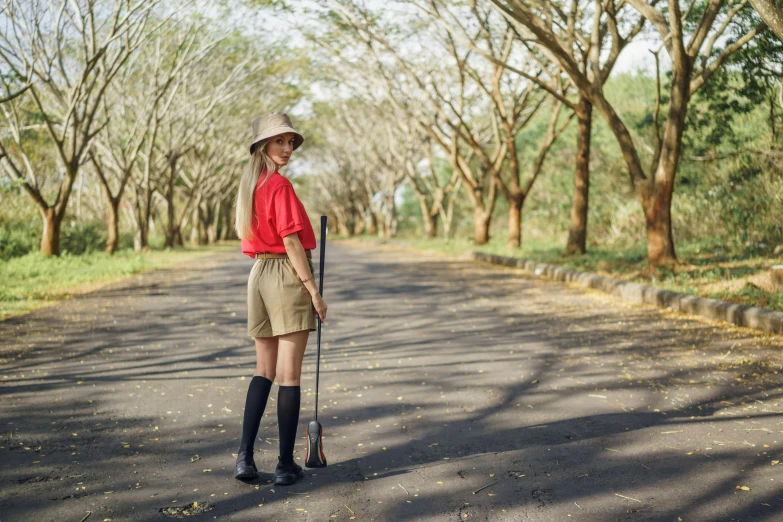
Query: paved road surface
{"points": [[450, 390]]}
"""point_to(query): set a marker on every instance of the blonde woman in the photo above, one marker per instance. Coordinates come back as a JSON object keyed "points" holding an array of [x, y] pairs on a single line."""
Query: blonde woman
{"points": [[282, 296]]}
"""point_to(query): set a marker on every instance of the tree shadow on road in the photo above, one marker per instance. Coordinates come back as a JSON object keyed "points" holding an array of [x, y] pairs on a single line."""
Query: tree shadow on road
{"points": [[486, 342]]}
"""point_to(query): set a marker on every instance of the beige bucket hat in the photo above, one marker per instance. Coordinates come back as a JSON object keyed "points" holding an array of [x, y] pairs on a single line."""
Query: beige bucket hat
{"points": [[273, 124]]}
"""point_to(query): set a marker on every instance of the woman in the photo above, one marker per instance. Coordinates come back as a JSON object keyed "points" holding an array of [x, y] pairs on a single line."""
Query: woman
{"points": [[282, 297]]}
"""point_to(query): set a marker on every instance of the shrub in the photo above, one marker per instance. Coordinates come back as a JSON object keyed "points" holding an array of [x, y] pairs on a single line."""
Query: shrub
{"points": [[81, 238]]}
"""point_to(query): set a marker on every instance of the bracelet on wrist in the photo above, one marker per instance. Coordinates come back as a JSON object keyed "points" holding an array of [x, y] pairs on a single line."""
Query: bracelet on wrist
{"points": [[306, 280]]}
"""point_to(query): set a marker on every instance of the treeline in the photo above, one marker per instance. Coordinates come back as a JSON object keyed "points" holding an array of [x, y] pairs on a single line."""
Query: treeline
{"points": [[126, 122], [139, 109], [439, 94]]}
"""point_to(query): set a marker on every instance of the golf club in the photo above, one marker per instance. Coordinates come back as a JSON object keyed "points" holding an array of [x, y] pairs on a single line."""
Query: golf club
{"points": [[315, 457]]}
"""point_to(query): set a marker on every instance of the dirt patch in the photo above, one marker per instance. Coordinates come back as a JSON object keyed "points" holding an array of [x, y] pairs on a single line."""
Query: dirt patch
{"points": [[196, 508]]}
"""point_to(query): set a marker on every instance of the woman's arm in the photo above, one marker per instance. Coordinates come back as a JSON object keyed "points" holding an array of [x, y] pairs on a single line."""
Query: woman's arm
{"points": [[296, 254], [298, 258]]}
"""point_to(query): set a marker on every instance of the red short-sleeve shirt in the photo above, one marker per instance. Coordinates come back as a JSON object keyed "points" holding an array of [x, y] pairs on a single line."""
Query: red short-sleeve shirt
{"points": [[277, 212]]}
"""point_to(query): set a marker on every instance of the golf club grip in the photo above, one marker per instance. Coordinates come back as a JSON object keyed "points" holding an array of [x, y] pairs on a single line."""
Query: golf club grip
{"points": [[323, 256]]}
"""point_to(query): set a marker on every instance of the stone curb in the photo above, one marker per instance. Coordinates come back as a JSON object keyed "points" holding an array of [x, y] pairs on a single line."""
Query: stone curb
{"points": [[751, 317]]}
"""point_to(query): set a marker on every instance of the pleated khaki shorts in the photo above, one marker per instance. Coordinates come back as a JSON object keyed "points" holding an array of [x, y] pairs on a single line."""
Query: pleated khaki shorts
{"points": [[277, 301]]}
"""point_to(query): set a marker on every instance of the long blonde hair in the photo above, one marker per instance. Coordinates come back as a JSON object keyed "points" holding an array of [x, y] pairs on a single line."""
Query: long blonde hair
{"points": [[259, 161]]}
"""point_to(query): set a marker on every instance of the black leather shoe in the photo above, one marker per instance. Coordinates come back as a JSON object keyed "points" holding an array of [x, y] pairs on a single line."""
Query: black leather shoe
{"points": [[287, 474], [245, 467]]}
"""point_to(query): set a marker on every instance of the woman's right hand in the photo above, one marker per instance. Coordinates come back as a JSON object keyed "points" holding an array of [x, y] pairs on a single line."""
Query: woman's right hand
{"points": [[320, 306]]}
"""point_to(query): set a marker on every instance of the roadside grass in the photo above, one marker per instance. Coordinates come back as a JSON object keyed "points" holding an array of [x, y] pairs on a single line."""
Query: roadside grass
{"points": [[713, 269], [33, 281]]}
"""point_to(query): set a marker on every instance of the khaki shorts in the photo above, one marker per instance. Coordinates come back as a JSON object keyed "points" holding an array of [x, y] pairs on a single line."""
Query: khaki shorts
{"points": [[277, 301]]}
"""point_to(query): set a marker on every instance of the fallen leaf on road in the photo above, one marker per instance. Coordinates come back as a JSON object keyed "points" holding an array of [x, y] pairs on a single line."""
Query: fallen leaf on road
{"points": [[743, 488]]}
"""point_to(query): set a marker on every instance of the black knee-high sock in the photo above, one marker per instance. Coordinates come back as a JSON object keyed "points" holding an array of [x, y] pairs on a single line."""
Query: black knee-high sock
{"points": [[288, 403], [255, 403]]}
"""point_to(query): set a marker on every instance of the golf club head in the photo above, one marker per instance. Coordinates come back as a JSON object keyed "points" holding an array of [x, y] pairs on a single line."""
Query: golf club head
{"points": [[315, 458]]}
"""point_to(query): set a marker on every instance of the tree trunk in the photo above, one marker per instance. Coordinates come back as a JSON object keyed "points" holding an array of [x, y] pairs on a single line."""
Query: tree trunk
{"points": [[429, 218], [205, 218], [143, 212], [516, 197], [342, 223], [771, 14], [380, 223], [226, 225], [195, 220], [515, 220], [657, 199], [426, 218], [431, 225], [660, 241], [139, 239], [577, 233], [50, 240], [481, 222], [449, 218], [649, 192], [359, 223], [390, 217], [212, 226], [113, 224], [172, 231], [177, 237], [342, 226]]}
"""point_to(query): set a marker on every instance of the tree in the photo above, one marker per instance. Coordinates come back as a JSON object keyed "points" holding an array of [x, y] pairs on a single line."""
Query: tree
{"points": [[691, 40], [144, 91], [771, 13], [448, 101], [515, 99], [73, 50]]}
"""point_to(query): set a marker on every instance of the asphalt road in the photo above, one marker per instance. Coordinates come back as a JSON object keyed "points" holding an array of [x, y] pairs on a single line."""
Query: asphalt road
{"points": [[450, 390]]}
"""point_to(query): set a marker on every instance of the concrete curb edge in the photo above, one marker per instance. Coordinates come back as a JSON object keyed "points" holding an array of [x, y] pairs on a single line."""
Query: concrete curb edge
{"points": [[750, 317]]}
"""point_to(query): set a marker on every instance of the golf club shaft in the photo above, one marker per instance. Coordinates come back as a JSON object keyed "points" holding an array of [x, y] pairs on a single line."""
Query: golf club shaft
{"points": [[320, 291]]}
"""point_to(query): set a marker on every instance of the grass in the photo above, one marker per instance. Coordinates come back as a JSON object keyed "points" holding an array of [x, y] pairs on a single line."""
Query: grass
{"points": [[33, 281], [714, 269]]}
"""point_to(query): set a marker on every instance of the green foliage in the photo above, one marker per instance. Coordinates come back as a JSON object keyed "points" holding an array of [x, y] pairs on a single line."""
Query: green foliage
{"points": [[714, 108], [17, 239], [33, 280], [752, 295], [734, 200], [82, 238], [20, 222]]}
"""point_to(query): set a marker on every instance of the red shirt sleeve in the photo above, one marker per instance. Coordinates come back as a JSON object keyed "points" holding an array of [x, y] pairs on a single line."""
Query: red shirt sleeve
{"points": [[284, 213]]}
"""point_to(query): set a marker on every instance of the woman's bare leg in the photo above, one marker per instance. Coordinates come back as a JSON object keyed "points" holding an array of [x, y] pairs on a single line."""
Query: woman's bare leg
{"points": [[290, 353], [266, 357]]}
